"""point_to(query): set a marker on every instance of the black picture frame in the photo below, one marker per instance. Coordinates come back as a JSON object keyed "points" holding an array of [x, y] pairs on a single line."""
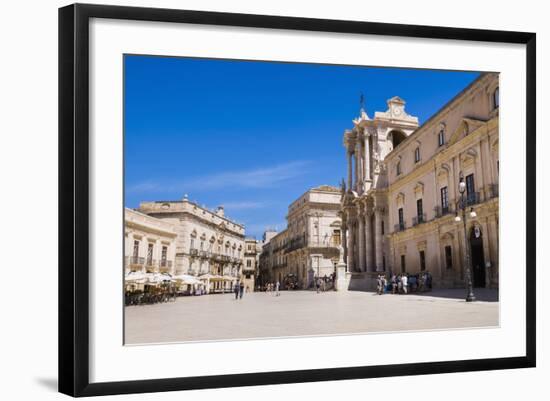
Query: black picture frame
{"points": [[74, 198]]}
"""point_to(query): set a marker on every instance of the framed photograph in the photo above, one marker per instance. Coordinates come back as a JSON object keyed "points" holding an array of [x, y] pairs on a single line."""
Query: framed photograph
{"points": [[252, 199]]}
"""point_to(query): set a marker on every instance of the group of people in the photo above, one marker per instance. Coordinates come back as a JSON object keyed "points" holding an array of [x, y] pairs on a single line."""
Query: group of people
{"points": [[404, 283], [273, 288], [238, 289]]}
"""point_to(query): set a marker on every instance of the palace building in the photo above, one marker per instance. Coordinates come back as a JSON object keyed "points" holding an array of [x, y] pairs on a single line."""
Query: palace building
{"points": [[308, 247], [207, 243], [150, 244], [252, 250], [401, 206]]}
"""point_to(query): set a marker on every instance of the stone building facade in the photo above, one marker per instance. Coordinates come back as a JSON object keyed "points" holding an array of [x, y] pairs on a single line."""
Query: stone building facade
{"points": [[401, 199], [149, 243], [308, 247], [252, 250], [206, 242]]}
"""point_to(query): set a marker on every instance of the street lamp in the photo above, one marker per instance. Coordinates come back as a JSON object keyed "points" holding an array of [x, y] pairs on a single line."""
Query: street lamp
{"points": [[462, 205]]}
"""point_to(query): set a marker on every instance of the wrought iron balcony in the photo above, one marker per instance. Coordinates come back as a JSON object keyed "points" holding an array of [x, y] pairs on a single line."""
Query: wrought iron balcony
{"points": [[472, 198], [193, 252], [151, 263], [493, 191], [399, 227], [203, 254], [442, 211], [166, 263], [136, 260], [421, 218]]}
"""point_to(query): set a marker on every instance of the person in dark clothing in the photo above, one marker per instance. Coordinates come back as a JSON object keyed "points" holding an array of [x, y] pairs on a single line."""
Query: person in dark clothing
{"points": [[236, 289], [241, 290]]}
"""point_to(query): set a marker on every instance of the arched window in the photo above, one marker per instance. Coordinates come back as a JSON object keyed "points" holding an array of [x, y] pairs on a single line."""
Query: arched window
{"points": [[495, 99], [441, 138]]}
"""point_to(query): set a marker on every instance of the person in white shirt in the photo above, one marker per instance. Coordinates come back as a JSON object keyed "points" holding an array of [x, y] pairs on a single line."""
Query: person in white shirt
{"points": [[404, 281]]}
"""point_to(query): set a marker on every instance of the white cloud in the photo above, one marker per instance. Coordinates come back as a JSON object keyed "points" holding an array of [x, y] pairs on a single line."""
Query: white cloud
{"points": [[260, 177], [244, 205]]}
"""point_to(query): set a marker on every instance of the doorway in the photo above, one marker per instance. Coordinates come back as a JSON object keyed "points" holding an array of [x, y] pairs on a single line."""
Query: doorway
{"points": [[477, 257]]}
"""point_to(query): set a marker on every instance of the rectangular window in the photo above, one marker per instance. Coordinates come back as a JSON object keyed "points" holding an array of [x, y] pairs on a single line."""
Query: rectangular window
{"points": [[419, 211], [164, 255], [401, 221], [448, 257], [136, 249], [470, 188], [441, 138], [336, 237], [444, 200], [398, 168], [248, 263], [150, 254], [422, 261], [403, 267], [417, 155], [192, 243]]}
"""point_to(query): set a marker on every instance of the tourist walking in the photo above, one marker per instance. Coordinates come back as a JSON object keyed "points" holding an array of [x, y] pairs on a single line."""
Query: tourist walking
{"points": [[241, 290], [318, 284], [393, 284], [277, 285], [236, 290], [404, 281]]}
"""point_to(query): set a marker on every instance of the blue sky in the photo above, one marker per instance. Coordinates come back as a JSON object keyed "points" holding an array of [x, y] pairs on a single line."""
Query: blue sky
{"points": [[254, 136]]}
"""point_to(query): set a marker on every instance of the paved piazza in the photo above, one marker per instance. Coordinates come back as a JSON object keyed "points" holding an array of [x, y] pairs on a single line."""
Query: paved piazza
{"points": [[302, 313]]}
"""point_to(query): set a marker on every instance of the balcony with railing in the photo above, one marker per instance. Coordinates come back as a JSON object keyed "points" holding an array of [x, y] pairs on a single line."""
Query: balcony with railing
{"points": [[193, 252], [135, 261], [472, 198], [442, 211], [493, 191], [294, 244], [399, 227], [421, 218]]}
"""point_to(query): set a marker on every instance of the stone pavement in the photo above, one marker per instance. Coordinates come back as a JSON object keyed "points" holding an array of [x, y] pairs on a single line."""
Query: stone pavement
{"points": [[303, 313]]}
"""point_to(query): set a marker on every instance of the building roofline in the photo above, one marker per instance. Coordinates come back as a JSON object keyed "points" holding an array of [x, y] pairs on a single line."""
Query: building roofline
{"points": [[455, 98]]}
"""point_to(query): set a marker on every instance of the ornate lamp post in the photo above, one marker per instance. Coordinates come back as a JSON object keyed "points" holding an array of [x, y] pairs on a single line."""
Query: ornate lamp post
{"points": [[462, 205]]}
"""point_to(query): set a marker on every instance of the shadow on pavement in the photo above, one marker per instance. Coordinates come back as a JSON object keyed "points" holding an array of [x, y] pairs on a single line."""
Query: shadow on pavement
{"points": [[481, 294]]}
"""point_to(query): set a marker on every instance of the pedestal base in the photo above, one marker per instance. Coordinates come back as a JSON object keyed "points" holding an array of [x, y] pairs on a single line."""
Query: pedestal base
{"points": [[342, 278]]}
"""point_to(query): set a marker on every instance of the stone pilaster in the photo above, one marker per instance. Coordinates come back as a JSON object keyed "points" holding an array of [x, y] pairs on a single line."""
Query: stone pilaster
{"points": [[378, 238], [369, 241], [350, 248], [350, 182], [361, 240]]}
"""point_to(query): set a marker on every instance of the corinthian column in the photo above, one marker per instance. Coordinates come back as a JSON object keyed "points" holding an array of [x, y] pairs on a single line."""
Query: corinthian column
{"points": [[378, 243], [368, 241], [344, 239], [361, 239], [359, 168], [350, 183], [366, 157], [350, 247]]}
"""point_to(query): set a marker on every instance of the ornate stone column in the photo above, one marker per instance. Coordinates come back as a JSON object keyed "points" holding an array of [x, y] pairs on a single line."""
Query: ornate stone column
{"points": [[361, 239], [350, 182], [344, 238], [368, 241], [378, 238], [367, 156], [350, 247], [359, 168], [356, 165]]}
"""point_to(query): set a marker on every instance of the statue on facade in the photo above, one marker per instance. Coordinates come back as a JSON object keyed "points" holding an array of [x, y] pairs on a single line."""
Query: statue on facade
{"points": [[343, 186]]}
